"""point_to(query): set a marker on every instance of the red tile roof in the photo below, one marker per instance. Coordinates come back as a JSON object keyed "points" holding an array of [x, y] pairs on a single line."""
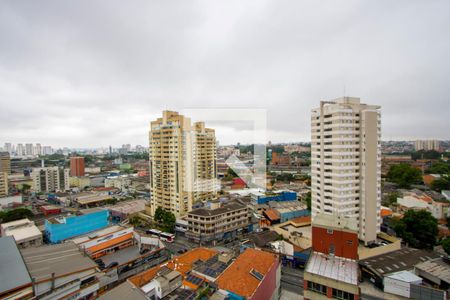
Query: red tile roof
{"points": [[237, 277], [272, 214], [182, 264]]}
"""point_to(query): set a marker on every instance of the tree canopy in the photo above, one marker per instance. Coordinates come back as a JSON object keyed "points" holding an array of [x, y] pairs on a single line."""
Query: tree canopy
{"points": [[441, 184], [422, 154], [308, 200], [446, 245], [417, 228], [438, 168], [165, 219], [15, 214], [404, 175]]}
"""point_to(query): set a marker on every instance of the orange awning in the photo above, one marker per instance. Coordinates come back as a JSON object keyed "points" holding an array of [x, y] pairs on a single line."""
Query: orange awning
{"points": [[110, 243]]}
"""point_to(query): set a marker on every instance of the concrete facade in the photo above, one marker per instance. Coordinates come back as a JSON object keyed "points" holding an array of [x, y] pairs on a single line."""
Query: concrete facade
{"points": [[346, 163], [182, 163]]}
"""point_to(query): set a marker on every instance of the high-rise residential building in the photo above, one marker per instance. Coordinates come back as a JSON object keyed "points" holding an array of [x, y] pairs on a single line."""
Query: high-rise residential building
{"points": [[3, 184], [38, 149], [5, 163], [77, 166], [346, 163], [204, 150], [20, 150], [427, 145], [47, 150], [50, 179], [182, 163], [8, 148], [29, 149]]}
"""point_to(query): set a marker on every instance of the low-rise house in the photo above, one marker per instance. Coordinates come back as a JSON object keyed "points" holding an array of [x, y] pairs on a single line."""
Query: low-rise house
{"points": [[25, 233], [181, 267], [429, 178], [446, 194], [165, 282], [255, 274]]}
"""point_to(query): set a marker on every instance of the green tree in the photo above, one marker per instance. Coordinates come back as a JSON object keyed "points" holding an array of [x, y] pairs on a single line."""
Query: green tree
{"points": [[422, 154], [135, 221], [391, 198], [446, 245], [417, 228], [438, 168], [25, 189], [158, 214], [15, 214], [165, 219], [308, 200], [441, 184], [404, 175]]}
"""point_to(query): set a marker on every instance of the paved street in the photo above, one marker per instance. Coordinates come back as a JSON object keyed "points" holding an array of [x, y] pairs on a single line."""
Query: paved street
{"points": [[292, 280]]}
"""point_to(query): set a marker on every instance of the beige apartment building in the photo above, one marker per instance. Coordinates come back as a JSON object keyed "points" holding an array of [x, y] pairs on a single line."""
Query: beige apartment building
{"points": [[3, 184], [217, 222], [427, 145], [50, 179], [182, 163], [5, 163], [346, 163]]}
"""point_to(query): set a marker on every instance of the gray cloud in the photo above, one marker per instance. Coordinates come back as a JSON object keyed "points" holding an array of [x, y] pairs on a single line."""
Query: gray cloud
{"points": [[94, 73]]}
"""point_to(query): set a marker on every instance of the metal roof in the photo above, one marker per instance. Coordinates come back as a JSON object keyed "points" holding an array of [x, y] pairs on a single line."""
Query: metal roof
{"points": [[398, 260], [60, 259], [404, 276], [14, 272], [436, 267], [333, 267], [124, 291]]}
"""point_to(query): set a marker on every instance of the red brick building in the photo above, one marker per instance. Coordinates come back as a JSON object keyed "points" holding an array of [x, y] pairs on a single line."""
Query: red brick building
{"points": [[332, 270], [338, 242], [77, 166]]}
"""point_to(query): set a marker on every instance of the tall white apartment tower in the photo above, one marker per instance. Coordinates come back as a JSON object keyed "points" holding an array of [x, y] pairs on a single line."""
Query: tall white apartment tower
{"points": [[346, 163]]}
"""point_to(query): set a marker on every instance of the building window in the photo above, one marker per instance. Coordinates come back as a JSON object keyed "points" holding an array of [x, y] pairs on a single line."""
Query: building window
{"points": [[338, 294], [316, 287]]}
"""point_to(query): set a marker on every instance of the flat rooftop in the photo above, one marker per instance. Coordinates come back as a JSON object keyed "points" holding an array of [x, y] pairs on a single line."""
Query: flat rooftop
{"points": [[93, 199], [123, 256], [333, 267], [87, 237], [60, 259], [218, 211], [125, 290], [22, 230], [398, 260], [14, 272]]}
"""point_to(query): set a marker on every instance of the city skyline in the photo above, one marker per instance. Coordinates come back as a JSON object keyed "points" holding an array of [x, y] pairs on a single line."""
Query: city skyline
{"points": [[102, 83]]}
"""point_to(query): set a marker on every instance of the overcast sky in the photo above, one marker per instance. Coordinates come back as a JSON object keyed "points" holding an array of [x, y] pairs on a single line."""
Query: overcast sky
{"points": [[95, 73]]}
